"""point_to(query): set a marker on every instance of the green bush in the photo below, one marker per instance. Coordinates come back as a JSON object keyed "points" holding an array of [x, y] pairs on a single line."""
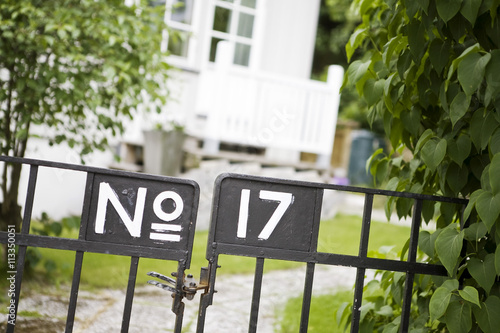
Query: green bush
{"points": [[430, 73]]}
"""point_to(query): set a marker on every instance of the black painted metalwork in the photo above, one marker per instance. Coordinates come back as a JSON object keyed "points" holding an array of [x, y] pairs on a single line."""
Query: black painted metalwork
{"points": [[269, 218], [109, 193], [258, 217]]}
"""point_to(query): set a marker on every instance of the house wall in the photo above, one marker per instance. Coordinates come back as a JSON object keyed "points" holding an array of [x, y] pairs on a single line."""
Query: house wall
{"points": [[288, 36]]}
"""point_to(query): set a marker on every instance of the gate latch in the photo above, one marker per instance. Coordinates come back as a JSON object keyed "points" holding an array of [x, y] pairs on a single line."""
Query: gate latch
{"points": [[189, 285]]}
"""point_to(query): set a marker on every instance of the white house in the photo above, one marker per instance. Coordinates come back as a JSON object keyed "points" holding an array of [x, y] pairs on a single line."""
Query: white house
{"points": [[244, 77]]}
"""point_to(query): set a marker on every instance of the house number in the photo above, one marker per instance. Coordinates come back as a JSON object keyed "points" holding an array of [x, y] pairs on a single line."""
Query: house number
{"points": [[285, 200]]}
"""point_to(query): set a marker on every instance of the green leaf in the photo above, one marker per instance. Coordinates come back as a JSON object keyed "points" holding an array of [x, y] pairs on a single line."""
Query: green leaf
{"points": [[483, 271], [428, 133], [357, 70], [385, 311], [372, 158], [439, 302], [448, 8], [494, 173], [448, 246], [425, 244], [428, 210], [487, 317], [470, 9], [475, 232], [488, 208], [439, 53], [458, 317], [459, 107], [433, 153], [456, 177], [497, 260], [470, 295], [416, 37], [492, 78], [411, 120], [355, 41], [482, 127], [471, 71], [490, 124], [373, 90], [494, 143], [459, 149]]}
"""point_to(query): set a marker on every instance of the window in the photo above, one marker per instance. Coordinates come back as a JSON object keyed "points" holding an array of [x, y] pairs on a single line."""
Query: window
{"points": [[179, 18], [234, 22]]}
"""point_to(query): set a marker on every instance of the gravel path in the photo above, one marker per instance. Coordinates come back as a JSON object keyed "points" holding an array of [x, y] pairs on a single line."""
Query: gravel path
{"points": [[101, 311]]}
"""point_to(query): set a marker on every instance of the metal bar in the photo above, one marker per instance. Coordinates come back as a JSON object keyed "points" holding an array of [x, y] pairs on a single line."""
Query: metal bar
{"points": [[207, 297], [353, 189], [178, 305], [86, 206], [360, 272], [317, 219], [306, 300], [129, 298], [257, 287], [332, 259], [21, 255], [89, 169], [412, 257], [77, 272], [71, 244], [358, 296]]}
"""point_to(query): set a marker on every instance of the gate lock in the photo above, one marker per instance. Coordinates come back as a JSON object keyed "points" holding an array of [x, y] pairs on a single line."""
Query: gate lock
{"points": [[189, 285]]}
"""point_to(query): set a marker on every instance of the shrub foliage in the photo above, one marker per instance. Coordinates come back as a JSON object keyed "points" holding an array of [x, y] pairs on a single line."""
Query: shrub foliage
{"points": [[431, 74]]}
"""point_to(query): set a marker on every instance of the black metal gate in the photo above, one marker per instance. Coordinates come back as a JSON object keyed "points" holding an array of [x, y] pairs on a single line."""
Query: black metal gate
{"points": [[161, 227], [258, 217]]}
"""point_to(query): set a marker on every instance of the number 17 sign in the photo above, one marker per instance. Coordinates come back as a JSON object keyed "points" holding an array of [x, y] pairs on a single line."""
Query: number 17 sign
{"points": [[259, 212]]}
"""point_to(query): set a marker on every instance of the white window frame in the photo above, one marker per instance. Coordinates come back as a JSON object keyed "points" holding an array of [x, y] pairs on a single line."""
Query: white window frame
{"points": [[190, 60], [231, 36]]}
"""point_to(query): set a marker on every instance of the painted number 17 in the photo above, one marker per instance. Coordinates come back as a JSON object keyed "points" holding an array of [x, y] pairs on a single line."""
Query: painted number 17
{"points": [[284, 199]]}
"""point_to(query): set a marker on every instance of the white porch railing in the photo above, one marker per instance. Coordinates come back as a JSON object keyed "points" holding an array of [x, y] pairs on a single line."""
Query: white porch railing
{"points": [[267, 110]]}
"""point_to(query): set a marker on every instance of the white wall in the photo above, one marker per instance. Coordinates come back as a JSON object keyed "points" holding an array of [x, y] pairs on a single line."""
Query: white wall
{"points": [[288, 36]]}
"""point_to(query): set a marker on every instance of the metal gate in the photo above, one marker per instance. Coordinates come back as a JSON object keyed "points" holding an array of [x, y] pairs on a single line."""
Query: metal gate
{"points": [[258, 217], [161, 227]]}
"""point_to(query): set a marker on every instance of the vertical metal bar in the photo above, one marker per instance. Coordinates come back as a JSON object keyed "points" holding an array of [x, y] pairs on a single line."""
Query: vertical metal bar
{"points": [[178, 305], [257, 286], [77, 270], [360, 272], [129, 298], [306, 300], [207, 297], [21, 256], [412, 257]]}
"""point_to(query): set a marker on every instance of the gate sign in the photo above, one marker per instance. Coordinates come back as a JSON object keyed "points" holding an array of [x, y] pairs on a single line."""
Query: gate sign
{"points": [[157, 212], [265, 213]]}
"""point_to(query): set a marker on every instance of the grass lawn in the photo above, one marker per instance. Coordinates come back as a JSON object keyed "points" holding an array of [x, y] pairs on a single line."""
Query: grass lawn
{"points": [[340, 235]]}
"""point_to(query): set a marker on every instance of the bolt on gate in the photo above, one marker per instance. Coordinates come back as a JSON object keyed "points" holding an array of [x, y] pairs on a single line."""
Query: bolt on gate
{"points": [[258, 217]]}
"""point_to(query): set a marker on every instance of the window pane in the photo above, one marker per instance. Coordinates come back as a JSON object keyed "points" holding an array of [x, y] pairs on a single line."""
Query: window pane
{"points": [[248, 3], [178, 43], [241, 54], [182, 11], [213, 48], [245, 25], [156, 3], [222, 19]]}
